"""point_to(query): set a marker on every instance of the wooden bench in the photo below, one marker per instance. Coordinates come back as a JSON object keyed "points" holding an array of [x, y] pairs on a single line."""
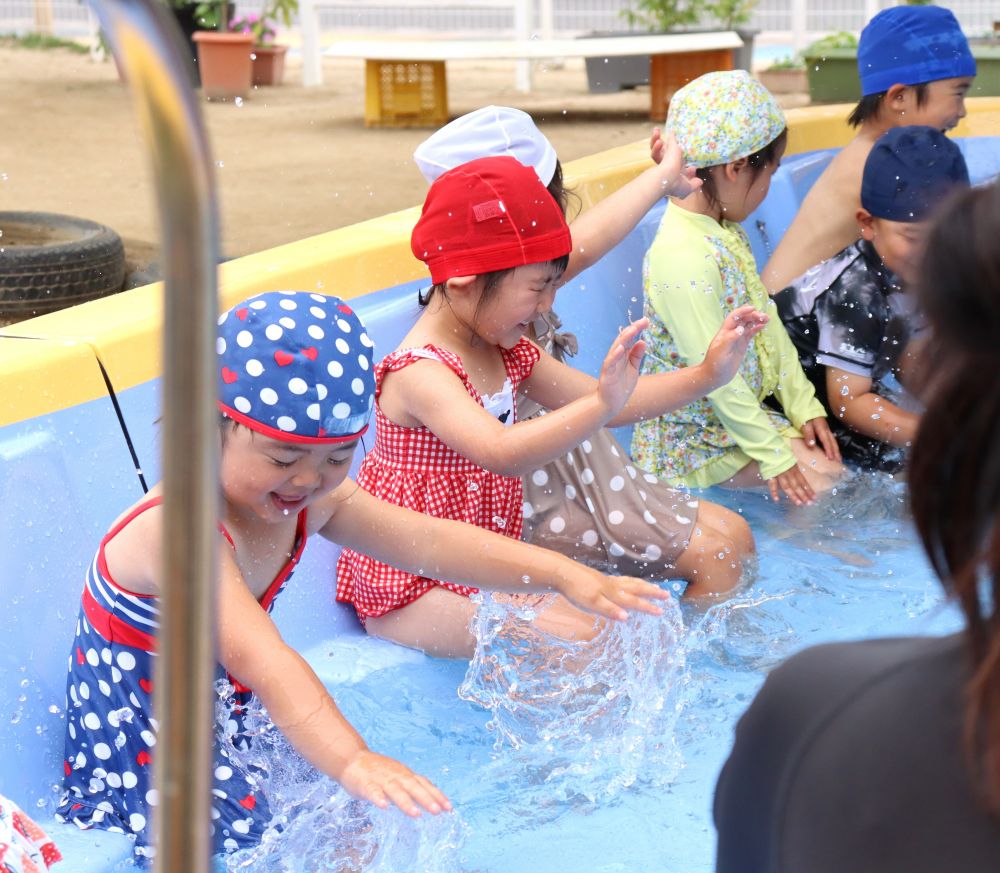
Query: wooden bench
{"points": [[406, 84]]}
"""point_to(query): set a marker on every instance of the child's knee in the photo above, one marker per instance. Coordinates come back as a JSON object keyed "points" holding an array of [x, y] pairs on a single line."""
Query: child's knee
{"points": [[723, 529]]}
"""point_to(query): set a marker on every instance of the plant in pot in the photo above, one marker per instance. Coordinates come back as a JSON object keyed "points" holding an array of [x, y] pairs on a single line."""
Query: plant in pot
{"points": [[785, 76], [224, 58], [194, 15], [268, 58], [832, 69], [667, 73]]}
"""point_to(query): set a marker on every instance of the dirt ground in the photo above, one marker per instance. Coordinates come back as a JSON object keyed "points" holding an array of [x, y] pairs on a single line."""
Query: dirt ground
{"points": [[291, 161]]}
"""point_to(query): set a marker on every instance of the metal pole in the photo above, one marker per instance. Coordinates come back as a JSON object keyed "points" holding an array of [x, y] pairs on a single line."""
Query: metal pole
{"points": [[147, 44]]}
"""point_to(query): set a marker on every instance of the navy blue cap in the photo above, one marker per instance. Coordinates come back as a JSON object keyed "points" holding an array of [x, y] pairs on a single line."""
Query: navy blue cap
{"points": [[910, 45], [907, 172], [297, 367]]}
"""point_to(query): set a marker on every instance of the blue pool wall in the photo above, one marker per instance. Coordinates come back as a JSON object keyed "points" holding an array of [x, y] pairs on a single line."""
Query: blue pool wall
{"points": [[65, 476]]}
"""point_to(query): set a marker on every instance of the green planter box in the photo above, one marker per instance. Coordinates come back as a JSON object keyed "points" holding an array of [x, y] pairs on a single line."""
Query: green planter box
{"points": [[833, 75]]}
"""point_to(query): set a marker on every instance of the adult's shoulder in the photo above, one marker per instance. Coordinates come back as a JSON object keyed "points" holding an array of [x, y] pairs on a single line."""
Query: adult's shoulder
{"points": [[832, 738]]}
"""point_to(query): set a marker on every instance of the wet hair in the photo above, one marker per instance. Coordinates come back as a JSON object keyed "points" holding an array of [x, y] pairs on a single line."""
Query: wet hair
{"points": [[869, 106], [955, 464], [757, 162], [561, 194]]}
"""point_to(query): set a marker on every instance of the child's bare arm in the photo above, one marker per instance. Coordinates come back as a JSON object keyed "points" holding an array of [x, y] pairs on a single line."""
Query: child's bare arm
{"points": [[600, 228], [854, 403], [252, 650], [429, 394], [914, 368], [462, 553], [552, 384]]}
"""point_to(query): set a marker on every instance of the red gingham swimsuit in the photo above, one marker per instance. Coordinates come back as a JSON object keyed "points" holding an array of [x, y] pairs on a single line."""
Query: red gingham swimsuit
{"points": [[411, 467]]}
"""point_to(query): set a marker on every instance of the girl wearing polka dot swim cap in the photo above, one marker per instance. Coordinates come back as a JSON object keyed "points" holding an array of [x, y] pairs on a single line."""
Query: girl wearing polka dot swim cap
{"points": [[448, 442], [296, 389]]}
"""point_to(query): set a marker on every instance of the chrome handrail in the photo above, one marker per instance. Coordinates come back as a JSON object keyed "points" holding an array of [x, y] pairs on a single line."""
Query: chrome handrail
{"points": [[146, 43]]}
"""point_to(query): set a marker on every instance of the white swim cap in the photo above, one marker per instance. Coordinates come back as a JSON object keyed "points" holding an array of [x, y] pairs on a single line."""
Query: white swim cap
{"points": [[492, 131]]}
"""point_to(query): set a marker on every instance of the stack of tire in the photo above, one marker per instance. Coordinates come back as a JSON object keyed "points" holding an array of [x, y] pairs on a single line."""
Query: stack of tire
{"points": [[49, 262]]}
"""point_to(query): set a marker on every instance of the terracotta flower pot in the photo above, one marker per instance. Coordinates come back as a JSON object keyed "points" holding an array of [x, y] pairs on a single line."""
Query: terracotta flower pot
{"points": [[225, 63], [268, 64]]}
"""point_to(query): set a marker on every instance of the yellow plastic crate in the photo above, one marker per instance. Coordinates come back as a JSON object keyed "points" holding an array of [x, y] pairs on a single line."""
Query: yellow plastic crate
{"points": [[405, 94]]}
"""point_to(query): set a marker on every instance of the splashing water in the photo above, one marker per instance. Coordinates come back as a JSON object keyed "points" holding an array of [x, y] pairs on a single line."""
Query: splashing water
{"points": [[572, 764], [317, 826], [580, 719]]}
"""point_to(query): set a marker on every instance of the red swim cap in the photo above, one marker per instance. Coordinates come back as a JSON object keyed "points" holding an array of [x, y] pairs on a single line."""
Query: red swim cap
{"points": [[489, 214]]}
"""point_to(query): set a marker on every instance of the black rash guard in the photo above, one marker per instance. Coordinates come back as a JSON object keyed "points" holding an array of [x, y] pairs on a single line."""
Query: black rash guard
{"points": [[851, 760]]}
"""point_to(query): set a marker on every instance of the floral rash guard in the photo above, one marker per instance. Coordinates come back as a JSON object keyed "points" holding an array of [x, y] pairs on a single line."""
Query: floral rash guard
{"points": [[695, 273]]}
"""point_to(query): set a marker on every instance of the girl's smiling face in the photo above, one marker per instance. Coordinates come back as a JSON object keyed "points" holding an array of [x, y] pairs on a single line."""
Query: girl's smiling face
{"points": [[273, 479], [522, 295]]}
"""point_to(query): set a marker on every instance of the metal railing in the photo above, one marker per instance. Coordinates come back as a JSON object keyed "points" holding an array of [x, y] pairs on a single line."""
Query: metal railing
{"points": [[146, 43]]}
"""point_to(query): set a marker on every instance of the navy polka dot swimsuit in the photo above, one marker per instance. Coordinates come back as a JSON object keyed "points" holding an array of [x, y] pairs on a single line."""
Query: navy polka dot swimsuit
{"points": [[110, 728]]}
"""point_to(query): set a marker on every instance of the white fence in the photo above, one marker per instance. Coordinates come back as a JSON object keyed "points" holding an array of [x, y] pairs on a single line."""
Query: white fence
{"points": [[795, 20]]}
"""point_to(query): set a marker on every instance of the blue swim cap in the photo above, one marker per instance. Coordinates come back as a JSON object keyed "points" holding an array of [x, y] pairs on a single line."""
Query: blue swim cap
{"points": [[907, 172], [910, 45], [297, 367]]}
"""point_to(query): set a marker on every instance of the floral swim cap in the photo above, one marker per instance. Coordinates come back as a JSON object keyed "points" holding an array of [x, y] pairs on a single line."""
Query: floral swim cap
{"points": [[297, 367], [722, 117]]}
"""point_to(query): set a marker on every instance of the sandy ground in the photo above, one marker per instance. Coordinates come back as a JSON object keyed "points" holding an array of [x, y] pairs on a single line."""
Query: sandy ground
{"points": [[291, 161]]}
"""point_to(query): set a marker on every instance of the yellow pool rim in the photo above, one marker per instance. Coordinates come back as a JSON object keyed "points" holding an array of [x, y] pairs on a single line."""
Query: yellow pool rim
{"points": [[123, 331]]}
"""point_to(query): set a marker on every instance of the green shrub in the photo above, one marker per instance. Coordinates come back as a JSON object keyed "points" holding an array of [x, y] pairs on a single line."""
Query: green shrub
{"points": [[791, 62]]}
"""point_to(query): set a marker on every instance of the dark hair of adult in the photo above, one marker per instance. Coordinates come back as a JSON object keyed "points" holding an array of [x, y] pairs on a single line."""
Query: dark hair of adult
{"points": [[955, 464], [757, 162], [868, 107]]}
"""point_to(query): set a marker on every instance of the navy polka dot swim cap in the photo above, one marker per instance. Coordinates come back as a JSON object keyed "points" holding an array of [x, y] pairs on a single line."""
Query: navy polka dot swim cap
{"points": [[297, 367]]}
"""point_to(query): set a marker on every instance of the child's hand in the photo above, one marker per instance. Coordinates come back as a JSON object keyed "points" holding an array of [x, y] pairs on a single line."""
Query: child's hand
{"points": [[678, 180], [725, 352], [620, 369], [818, 429], [383, 781], [611, 596], [794, 484], [656, 145]]}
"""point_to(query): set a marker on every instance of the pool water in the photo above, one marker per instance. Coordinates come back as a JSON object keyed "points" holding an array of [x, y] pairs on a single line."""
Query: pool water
{"points": [[609, 767]]}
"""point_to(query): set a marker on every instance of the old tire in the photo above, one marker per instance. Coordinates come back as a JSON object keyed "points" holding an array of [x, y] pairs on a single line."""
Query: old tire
{"points": [[50, 261]]}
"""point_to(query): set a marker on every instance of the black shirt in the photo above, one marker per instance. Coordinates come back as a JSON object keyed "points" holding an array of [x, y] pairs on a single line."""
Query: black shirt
{"points": [[850, 312], [851, 760]]}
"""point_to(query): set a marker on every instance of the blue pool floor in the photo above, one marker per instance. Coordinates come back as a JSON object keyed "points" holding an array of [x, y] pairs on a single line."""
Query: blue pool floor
{"points": [[846, 568]]}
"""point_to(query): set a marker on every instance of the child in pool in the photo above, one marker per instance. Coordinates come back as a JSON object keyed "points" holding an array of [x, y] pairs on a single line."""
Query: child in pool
{"points": [[852, 317], [592, 503], [698, 269], [915, 68], [448, 442], [296, 387]]}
